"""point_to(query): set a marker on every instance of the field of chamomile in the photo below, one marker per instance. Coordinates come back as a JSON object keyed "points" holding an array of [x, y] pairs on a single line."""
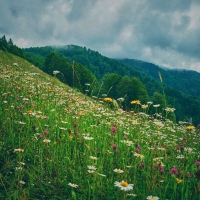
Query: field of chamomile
{"points": [[59, 144]]}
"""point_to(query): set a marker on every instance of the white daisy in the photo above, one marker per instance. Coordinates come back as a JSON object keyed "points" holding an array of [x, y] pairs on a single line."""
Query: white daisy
{"points": [[93, 157], [46, 140], [73, 185], [19, 150], [138, 155], [152, 198], [90, 171], [22, 182], [119, 171], [88, 138], [91, 167], [123, 185]]}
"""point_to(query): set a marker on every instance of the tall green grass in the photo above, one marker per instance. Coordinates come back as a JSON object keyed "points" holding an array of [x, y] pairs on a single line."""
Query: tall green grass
{"points": [[57, 143]]}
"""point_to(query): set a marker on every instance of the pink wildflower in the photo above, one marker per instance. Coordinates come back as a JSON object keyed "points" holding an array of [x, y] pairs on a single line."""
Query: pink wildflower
{"points": [[46, 132], [197, 163], [142, 164], [137, 149], [114, 129], [173, 171], [162, 168]]}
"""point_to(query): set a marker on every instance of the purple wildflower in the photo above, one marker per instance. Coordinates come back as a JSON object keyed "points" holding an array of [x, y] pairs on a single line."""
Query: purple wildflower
{"points": [[197, 163], [137, 149], [173, 171], [162, 168], [46, 132], [114, 129], [142, 164]]}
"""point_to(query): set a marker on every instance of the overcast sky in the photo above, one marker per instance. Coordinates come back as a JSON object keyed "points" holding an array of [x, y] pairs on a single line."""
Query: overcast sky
{"points": [[164, 32]]}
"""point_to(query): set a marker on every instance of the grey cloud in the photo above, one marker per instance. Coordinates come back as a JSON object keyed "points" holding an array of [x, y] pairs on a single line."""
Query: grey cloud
{"points": [[157, 31]]}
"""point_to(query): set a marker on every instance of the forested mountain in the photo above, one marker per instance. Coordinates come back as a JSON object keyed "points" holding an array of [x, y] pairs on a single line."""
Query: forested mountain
{"points": [[117, 79], [99, 65], [98, 76], [187, 81]]}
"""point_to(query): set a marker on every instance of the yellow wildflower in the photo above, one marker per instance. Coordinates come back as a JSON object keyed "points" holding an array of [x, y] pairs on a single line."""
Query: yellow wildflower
{"points": [[108, 99], [144, 106], [190, 127], [179, 180], [135, 102]]}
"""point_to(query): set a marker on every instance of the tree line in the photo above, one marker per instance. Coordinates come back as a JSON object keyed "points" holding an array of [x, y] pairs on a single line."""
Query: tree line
{"points": [[10, 47]]}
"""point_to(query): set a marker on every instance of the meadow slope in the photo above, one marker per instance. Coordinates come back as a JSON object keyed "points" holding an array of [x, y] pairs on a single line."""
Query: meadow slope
{"points": [[57, 143]]}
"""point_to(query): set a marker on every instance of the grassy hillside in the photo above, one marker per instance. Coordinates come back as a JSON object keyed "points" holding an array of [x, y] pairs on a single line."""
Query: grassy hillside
{"points": [[57, 143]]}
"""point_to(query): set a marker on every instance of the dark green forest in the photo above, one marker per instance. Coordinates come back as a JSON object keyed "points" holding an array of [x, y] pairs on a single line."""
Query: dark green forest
{"points": [[99, 76], [10, 47], [187, 81]]}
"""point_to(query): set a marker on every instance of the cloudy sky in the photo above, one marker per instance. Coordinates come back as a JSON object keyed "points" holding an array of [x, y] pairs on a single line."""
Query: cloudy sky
{"points": [[164, 32]]}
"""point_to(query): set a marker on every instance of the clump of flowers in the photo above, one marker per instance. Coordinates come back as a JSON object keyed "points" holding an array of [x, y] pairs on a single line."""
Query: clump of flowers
{"points": [[114, 146], [91, 169]]}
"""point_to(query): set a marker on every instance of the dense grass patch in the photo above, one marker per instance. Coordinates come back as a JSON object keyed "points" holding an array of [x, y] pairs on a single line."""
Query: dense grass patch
{"points": [[57, 143]]}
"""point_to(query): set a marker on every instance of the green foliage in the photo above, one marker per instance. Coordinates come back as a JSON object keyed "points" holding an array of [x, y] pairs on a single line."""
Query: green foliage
{"points": [[132, 89], [74, 74], [10, 47], [110, 83], [186, 81]]}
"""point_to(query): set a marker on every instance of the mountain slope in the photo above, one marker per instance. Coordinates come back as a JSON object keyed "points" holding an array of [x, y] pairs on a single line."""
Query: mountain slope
{"points": [[187, 81], [57, 143]]}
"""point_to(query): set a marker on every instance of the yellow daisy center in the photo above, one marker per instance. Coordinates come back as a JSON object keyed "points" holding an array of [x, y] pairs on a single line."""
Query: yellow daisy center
{"points": [[124, 184], [118, 170]]}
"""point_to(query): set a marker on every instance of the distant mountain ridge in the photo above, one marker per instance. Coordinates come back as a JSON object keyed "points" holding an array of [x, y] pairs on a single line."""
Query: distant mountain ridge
{"points": [[187, 81]]}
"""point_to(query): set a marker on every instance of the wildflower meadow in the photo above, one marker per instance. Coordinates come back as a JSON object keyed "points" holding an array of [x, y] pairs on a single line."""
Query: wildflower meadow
{"points": [[58, 144]]}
